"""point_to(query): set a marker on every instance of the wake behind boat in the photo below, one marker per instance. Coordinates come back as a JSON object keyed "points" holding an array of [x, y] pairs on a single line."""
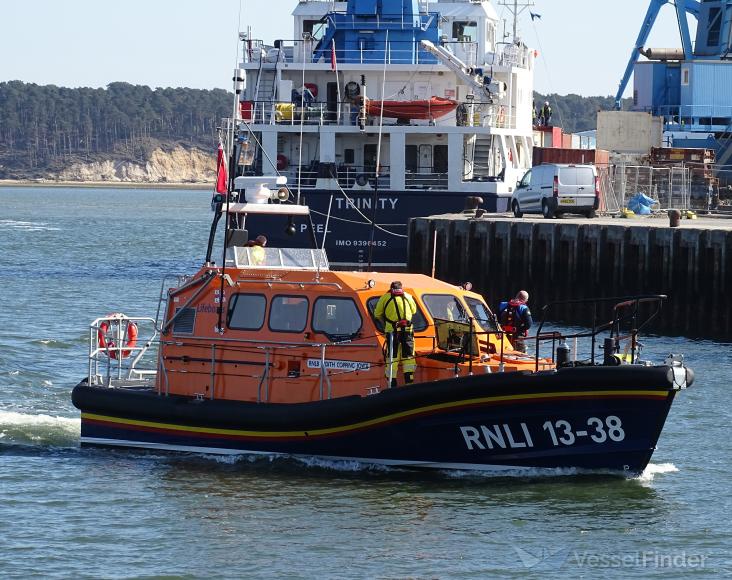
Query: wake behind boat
{"points": [[276, 353]]}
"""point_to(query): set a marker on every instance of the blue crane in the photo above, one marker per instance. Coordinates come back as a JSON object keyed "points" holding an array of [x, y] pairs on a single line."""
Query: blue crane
{"points": [[683, 8]]}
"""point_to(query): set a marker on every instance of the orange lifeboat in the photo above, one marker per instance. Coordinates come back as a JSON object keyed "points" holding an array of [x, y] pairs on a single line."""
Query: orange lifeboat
{"points": [[432, 108], [276, 353]]}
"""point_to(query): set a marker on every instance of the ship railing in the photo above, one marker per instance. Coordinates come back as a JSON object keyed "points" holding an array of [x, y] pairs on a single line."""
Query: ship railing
{"points": [[619, 331], [253, 50], [425, 178], [619, 328], [317, 365], [511, 55], [117, 345], [701, 117], [466, 51], [345, 113], [368, 51], [348, 176]]}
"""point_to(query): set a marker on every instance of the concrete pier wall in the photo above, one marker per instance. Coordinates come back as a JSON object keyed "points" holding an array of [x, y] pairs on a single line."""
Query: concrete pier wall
{"points": [[568, 259]]}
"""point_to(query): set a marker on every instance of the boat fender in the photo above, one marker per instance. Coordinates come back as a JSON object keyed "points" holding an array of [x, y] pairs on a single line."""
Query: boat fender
{"points": [[130, 339], [362, 179]]}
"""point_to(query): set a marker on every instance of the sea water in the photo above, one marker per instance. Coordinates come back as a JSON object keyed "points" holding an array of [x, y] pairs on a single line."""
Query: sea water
{"points": [[70, 255]]}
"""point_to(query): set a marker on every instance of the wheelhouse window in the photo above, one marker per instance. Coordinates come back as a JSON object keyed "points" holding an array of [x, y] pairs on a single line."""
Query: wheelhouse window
{"points": [[336, 317], [246, 311], [288, 313], [316, 28], [444, 306], [419, 322], [465, 31], [481, 313]]}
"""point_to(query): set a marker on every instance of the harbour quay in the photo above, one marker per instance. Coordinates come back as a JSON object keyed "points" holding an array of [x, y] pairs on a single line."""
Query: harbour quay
{"points": [[573, 258]]}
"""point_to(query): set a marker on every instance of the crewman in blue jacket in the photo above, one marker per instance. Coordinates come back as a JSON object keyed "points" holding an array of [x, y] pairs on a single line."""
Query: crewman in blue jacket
{"points": [[515, 318]]}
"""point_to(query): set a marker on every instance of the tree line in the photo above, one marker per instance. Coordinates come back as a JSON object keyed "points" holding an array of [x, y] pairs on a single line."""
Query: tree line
{"points": [[41, 126], [575, 113], [45, 127]]}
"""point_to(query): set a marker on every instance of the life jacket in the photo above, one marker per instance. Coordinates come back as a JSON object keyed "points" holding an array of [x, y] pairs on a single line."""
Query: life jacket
{"points": [[401, 318], [510, 317]]}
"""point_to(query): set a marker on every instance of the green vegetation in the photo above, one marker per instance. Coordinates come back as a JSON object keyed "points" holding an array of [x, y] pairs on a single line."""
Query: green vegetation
{"points": [[575, 113], [47, 127]]}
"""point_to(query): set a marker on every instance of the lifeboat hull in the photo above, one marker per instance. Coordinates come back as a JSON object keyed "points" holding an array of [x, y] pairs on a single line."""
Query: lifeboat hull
{"points": [[501, 422], [433, 108]]}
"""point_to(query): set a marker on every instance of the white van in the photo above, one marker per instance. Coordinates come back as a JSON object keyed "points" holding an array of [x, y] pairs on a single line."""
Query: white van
{"points": [[552, 189]]}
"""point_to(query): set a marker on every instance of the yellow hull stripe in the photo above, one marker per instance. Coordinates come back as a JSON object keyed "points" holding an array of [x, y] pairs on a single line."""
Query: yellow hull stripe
{"points": [[370, 422]]}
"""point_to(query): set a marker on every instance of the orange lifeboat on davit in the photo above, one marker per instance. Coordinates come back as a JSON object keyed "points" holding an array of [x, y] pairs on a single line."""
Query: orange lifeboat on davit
{"points": [[274, 353], [432, 108]]}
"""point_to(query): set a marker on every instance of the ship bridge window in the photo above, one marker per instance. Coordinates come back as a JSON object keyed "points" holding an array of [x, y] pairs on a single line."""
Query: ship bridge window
{"points": [[288, 313], [481, 313], [316, 28], [246, 311], [444, 306], [337, 318], [465, 30], [419, 322]]}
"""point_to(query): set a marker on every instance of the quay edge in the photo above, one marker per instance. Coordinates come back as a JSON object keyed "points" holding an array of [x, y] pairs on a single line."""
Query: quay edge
{"points": [[572, 258]]}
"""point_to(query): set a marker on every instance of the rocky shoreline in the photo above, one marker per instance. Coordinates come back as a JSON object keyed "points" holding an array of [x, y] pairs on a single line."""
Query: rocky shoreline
{"points": [[174, 167]]}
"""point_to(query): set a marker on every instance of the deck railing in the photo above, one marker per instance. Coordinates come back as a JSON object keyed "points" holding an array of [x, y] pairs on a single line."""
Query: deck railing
{"points": [[392, 52]]}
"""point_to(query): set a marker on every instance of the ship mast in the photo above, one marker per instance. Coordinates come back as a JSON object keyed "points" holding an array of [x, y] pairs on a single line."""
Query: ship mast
{"points": [[516, 8]]}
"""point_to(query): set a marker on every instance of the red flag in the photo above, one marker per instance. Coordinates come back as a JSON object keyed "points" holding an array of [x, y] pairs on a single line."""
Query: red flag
{"points": [[333, 64], [221, 177]]}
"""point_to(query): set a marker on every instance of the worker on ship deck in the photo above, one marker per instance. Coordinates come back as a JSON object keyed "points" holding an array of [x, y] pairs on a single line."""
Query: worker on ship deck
{"points": [[395, 310], [545, 115]]}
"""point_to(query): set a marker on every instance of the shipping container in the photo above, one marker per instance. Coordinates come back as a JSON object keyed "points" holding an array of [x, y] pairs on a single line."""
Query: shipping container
{"points": [[598, 157]]}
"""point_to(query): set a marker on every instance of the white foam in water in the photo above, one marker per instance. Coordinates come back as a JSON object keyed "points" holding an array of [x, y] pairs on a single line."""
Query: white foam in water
{"points": [[27, 226], [654, 469], [24, 429], [346, 465]]}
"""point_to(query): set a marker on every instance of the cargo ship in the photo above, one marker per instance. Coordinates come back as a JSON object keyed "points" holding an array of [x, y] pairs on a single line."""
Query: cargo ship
{"points": [[377, 111]]}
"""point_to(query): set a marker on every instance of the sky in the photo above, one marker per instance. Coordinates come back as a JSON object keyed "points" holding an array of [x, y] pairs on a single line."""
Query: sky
{"points": [[583, 45]]}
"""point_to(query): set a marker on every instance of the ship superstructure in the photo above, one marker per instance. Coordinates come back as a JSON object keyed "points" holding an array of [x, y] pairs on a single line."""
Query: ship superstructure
{"points": [[382, 110]]}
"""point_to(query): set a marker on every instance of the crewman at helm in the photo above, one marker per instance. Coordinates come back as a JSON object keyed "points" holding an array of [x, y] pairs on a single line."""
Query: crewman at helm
{"points": [[396, 309], [257, 253]]}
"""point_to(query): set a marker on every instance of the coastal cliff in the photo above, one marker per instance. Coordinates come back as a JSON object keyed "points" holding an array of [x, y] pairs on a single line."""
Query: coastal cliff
{"points": [[177, 165]]}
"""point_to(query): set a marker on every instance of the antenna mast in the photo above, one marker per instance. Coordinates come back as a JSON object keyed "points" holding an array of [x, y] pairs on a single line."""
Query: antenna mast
{"points": [[516, 8]]}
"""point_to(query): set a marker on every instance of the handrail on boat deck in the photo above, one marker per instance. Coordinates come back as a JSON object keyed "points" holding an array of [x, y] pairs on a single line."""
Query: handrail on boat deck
{"points": [[115, 357], [614, 325]]}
